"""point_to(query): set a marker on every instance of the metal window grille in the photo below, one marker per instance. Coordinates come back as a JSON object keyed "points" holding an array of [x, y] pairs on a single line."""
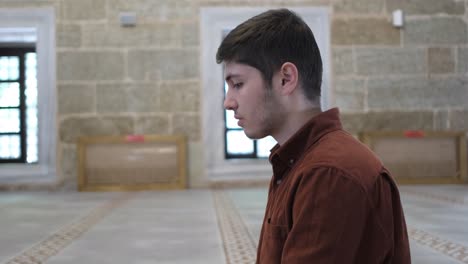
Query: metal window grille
{"points": [[18, 105]]}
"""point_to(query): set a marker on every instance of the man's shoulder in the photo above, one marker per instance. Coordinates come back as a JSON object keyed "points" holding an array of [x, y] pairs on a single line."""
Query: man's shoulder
{"points": [[344, 153]]}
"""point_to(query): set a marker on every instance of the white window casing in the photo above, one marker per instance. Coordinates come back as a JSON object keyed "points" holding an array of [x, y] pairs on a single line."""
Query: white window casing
{"points": [[42, 21]]}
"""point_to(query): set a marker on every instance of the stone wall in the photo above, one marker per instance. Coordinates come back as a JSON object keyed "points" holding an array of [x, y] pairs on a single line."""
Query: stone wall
{"points": [[414, 78], [114, 80]]}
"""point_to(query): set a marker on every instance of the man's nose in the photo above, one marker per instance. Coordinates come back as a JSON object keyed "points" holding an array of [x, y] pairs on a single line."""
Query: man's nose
{"points": [[229, 103]]}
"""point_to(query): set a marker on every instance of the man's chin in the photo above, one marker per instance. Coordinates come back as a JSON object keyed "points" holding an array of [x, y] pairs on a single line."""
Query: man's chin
{"points": [[254, 135]]}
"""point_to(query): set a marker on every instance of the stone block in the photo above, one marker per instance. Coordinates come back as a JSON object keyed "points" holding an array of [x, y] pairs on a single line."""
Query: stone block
{"points": [[34, 4], [359, 6], [343, 61], [354, 123], [279, 3], [427, 7], [350, 85], [196, 165], [150, 11], [190, 34], [441, 60], [435, 30], [462, 60], [388, 121], [76, 98], [385, 61], [400, 120], [350, 94], [68, 163], [441, 120], [417, 93], [364, 31], [180, 96], [84, 9], [68, 35], [127, 98], [171, 64], [459, 120], [158, 35], [349, 102], [147, 125], [74, 127], [90, 65], [186, 124]]}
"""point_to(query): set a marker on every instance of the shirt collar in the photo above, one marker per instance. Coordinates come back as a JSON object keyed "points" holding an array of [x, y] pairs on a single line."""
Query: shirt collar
{"points": [[306, 136]]}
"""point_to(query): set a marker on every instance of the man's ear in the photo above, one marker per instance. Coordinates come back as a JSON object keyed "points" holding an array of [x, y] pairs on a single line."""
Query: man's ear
{"points": [[289, 78]]}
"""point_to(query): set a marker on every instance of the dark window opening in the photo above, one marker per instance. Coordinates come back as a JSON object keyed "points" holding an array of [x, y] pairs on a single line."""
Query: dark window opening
{"points": [[18, 105]]}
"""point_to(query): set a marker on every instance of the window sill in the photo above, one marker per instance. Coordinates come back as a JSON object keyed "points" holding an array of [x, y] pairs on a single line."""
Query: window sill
{"points": [[27, 173]]}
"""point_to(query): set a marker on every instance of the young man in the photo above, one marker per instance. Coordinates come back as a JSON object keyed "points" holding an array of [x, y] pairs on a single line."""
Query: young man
{"points": [[330, 199]]}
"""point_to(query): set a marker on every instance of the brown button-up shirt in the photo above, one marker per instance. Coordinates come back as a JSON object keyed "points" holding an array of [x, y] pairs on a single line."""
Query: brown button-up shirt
{"points": [[331, 201]]}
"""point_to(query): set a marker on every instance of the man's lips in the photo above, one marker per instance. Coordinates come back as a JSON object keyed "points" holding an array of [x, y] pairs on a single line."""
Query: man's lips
{"points": [[239, 120]]}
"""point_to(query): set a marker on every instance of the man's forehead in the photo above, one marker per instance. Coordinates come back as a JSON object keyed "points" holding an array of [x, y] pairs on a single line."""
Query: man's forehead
{"points": [[235, 69]]}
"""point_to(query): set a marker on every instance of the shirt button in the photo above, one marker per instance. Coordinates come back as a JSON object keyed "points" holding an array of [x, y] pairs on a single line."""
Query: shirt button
{"points": [[291, 161], [278, 181]]}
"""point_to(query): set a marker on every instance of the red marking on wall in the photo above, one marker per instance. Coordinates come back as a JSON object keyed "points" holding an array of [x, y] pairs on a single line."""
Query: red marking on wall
{"points": [[414, 134], [135, 138]]}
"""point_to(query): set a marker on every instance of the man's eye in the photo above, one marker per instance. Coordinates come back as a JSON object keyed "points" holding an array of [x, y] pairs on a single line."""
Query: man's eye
{"points": [[237, 85]]}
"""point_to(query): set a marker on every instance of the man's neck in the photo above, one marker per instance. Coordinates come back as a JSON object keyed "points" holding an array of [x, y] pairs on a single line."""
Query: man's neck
{"points": [[293, 122]]}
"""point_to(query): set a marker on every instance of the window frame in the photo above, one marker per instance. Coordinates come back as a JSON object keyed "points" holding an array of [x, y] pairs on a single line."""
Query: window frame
{"points": [[43, 21], [18, 51], [228, 156]]}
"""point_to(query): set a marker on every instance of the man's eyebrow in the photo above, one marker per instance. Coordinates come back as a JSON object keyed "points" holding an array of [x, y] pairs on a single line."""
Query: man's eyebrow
{"points": [[230, 76]]}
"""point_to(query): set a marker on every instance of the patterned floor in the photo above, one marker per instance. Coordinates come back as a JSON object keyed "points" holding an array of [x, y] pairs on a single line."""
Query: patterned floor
{"points": [[193, 226], [437, 218]]}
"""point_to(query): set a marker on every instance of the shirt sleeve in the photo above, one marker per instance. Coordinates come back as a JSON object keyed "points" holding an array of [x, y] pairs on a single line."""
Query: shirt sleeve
{"points": [[328, 218]]}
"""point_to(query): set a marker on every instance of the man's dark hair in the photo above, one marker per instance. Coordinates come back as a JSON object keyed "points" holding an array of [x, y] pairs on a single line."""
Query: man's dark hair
{"points": [[270, 39]]}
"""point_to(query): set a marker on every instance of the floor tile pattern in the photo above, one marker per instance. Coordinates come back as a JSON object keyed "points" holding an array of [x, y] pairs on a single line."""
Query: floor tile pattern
{"points": [[238, 244], [437, 218], [50, 246], [153, 227], [194, 226], [450, 200], [448, 248]]}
